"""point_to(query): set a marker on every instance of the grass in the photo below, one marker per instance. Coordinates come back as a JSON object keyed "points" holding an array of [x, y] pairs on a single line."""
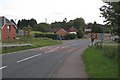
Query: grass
{"points": [[99, 65], [35, 43]]}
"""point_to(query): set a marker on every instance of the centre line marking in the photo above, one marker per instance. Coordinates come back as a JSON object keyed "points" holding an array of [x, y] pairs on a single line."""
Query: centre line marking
{"points": [[28, 58], [3, 67]]}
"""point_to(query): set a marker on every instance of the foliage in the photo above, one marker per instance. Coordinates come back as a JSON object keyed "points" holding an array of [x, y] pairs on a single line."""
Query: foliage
{"points": [[23, 23], [111, 13], [77, 23], [35, 42], [99, 66], [113, 51], [70, 36], [46, 35], [41, 27], [63, 25], [95, 27], [25, 39], [28, 28], [80, 33]]}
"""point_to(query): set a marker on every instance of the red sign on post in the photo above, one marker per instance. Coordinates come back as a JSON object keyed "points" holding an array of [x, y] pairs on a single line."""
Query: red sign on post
{"points": [[94, 35]]}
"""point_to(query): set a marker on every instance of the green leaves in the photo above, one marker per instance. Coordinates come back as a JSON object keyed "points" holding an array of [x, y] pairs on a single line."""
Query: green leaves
{"points": [[111, 13]]}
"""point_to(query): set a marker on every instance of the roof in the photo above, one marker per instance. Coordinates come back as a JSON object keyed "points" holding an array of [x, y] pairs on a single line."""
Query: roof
{"points": [[52, 29], [61, 32], [5, 21], [72, 29]]}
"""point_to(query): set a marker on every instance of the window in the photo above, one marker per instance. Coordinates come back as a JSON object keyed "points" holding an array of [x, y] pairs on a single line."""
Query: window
{"points": [[8, 28]]}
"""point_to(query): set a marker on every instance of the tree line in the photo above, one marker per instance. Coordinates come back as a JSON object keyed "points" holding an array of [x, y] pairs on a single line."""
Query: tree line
{"points": [[78, 23]]}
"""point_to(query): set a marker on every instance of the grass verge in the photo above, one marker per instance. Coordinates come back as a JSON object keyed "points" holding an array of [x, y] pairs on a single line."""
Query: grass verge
{"points": [[100, 65], [35, 43]]}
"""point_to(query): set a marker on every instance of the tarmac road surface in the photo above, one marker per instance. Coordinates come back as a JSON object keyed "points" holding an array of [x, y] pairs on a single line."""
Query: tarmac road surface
{"points": [[44, 62]]}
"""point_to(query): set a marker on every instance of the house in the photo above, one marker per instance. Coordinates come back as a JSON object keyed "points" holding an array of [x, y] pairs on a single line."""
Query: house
{"points": [[8, 29], [72, 30], [52, 30], [61, 32]]}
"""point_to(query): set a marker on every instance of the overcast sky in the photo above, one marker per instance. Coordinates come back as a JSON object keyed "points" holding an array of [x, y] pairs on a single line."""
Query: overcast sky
{"points": [[52, 10]]}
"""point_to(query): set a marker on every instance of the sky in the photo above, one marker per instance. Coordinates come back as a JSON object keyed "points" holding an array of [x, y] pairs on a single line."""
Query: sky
{"points": [[52, 10]]}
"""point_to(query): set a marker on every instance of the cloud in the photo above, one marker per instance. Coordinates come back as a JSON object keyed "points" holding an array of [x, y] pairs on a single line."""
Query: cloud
{"points": [[111, 0], [51, 9]]}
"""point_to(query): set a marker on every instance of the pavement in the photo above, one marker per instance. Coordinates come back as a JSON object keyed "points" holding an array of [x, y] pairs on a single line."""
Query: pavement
{"points": [[73, 66], [58, 61]]}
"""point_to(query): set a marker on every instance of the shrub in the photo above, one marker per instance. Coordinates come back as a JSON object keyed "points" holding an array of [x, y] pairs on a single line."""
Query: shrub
{"points": [[80, 33], [46, 35], [25, 38], [9, 41], [70, 36]]}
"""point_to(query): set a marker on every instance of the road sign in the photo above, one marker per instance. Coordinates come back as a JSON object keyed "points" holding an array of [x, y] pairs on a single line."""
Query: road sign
{"points": [[94, 35], [100, 36]]}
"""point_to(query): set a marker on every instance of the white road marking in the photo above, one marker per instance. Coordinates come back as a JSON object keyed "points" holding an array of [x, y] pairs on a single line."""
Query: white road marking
{"points": [[46, 52], [24, 50], [3, 67], [52, 50], [44, 47], [65, 46], [28, 58]]}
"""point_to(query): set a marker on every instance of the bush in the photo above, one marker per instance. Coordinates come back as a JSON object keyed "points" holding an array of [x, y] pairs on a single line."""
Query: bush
{"points": [[9, 41], [70, 36], [25, 38], [46, 35], [80, 33]]}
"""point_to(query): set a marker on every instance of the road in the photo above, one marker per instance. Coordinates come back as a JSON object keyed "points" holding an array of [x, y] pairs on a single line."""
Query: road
{"points": [[41, 62]]}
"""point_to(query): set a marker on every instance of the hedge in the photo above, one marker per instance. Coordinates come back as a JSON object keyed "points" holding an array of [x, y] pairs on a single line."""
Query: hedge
{"points": [[70, 36], [48, 35], [55, 36]]}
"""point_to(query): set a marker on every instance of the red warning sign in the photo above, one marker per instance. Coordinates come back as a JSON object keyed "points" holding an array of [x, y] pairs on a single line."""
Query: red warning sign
{"points": [[94, 35]]}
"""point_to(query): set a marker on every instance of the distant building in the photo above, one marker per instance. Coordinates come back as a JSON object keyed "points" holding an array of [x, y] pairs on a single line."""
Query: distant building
{"points": [[61, 32], [52, 30], [8, 29], [72, 30]]}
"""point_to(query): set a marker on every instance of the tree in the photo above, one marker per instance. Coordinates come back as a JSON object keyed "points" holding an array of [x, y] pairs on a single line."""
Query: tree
{"points": [[80, 33], [111, 13], [77, 23], [63, 24], [32, 23], [41, 27], [96, 28], [24, 22]]}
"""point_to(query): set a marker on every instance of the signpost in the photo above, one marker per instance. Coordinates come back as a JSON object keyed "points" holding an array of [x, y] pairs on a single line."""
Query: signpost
{"points": [[99, 39], [100, 36], [93, 37]]}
